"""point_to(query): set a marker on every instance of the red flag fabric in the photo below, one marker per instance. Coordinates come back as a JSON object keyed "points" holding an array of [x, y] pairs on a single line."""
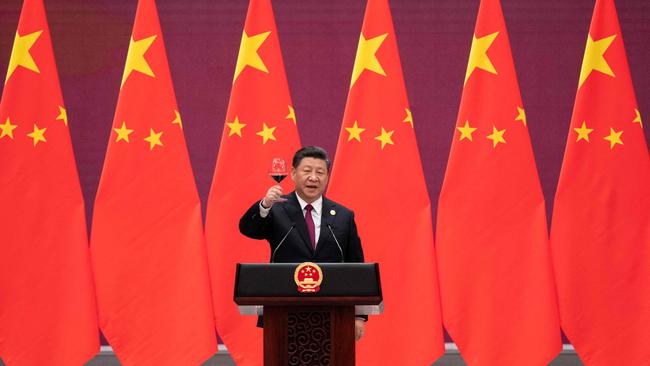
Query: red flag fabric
{"points": [[496, 283], [377, 172], [260, 125], [47, 305], [147, 243], [600, 234]]}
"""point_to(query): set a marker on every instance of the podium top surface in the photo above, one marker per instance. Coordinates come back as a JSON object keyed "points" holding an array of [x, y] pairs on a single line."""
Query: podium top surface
{"points": [[279, 284]]}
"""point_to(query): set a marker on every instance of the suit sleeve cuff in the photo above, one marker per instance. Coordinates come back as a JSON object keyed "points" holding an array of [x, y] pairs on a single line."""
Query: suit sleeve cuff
{"points": [[264, 212]]}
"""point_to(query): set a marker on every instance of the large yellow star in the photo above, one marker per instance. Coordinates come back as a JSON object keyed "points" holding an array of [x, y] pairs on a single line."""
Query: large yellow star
{"points": [[385, 137], [291, 115], [521, 116], [154, 139], [478, 57], [135, 60], [248, 55], [354, 132], [235, 127], [637, 118], [466, 131], [614, 138], [409, 117], [594, 58], [366, 58], [7, 129], [122, 133], [496, 136], [38, 134], [266, 133], [177, 119], [63, 115], [583, 132], [20, 55]]}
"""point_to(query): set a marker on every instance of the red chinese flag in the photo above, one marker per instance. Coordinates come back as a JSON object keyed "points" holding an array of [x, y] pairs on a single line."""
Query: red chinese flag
{"points": [[147, 242], [496, 283], [378, 174], [47, 305], [260, 125], [600, 234]]}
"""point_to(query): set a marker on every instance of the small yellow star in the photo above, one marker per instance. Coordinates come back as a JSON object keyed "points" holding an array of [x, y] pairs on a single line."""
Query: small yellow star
{"points": [[177, 119], [366, 58], [291, 115], [7, 129], [235, 127], [63, 115], [248, 55], [385, 138], [20, 55], [38, 134], [638, 118], [496, 136], [354, 132], [466, 131], [122, 133], [614, 138], [478, 58], [135, 60], [409, 117], [594, 58], [583, 132], [154, 139], [521, 115], [266, 133]]}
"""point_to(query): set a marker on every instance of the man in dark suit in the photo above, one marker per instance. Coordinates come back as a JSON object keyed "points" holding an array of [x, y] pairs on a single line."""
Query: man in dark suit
{"points": [[304, 225]]}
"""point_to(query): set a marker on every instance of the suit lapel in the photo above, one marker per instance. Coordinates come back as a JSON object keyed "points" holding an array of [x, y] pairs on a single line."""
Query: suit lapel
{"points": [[325, 220], [294, 212]]}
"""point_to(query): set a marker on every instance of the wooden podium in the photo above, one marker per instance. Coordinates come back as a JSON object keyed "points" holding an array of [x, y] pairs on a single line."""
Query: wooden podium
{"points": [[309, 312]]}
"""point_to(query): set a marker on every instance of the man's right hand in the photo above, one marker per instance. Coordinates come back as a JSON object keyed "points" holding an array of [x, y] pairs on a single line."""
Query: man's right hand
{"points": [[273, 195]]}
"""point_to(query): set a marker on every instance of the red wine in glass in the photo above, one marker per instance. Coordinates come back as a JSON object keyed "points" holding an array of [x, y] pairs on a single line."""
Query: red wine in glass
{"points": [[278, 177], [278, 169]]}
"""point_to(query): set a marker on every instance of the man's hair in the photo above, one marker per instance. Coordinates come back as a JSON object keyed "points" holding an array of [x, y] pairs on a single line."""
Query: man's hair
{"points": [[311, 152]]}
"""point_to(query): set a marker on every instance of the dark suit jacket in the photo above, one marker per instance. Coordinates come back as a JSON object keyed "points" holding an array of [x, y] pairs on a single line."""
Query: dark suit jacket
{"points": [[297, 247]]}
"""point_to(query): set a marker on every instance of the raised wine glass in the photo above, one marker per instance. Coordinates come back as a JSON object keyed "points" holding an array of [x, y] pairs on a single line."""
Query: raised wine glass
{"points": [[278, 169]]}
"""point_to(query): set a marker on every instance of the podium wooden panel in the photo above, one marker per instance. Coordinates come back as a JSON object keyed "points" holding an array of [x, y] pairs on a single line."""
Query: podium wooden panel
{"points": [[310, 328], [306, 335]]}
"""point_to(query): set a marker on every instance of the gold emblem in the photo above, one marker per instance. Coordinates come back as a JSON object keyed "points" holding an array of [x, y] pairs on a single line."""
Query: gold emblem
{"points": [[332, 212], [308, 277]]}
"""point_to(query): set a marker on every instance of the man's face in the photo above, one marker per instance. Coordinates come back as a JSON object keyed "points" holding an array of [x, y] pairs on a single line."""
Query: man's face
{"points": [[310, 177]]}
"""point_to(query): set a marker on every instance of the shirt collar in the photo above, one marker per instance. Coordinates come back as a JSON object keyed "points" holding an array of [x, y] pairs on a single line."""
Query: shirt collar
{"points": [[317, 205]]}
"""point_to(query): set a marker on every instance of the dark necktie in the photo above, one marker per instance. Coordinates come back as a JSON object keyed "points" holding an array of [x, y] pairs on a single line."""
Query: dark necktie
{"points": [[311, 228]]}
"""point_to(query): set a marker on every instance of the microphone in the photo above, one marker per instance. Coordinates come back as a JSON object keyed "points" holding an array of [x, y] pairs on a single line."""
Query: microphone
{"points": [[337, 242], [282, 241]]}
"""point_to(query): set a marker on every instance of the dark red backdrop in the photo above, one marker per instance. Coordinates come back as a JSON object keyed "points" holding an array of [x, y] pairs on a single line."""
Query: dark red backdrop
{"points": [[319, 40]]}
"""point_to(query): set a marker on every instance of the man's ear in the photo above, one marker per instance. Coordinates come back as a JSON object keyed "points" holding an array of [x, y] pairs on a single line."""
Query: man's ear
{"points": [[293, 174]]}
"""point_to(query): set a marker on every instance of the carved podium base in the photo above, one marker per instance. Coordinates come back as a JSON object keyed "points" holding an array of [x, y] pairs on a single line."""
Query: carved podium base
{"points": [[309, 335]]}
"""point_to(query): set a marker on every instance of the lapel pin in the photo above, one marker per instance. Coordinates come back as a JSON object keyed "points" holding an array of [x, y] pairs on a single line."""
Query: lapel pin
{"points": [[332, 212]]}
